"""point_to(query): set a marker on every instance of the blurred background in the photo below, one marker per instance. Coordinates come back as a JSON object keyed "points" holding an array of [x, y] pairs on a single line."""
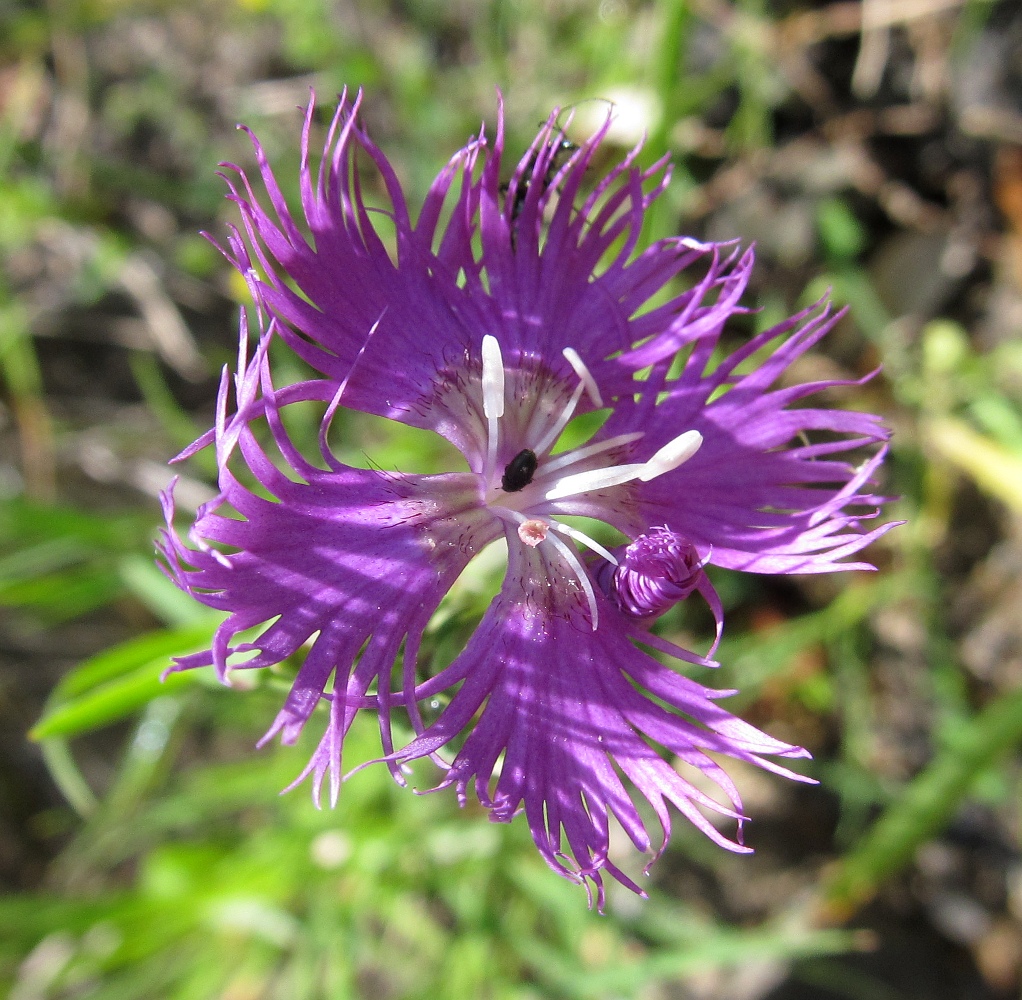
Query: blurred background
{"points": [[871, 147]]}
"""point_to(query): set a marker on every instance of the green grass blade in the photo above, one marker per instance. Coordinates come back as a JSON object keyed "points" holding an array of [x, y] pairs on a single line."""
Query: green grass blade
{"points": [[926, 805], [118, 682], [109, 702]]}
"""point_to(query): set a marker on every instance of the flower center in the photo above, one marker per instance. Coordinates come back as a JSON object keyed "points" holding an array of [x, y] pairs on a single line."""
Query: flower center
{"points": [[534, 486]]}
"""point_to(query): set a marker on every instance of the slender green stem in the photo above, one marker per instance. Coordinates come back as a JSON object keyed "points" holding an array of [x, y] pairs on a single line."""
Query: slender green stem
{"points": [[926, 806]]}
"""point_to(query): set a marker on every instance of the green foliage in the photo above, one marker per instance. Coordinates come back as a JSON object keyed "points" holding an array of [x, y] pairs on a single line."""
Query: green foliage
{"points": [[928, 804], [118, 682], [319, 903]]}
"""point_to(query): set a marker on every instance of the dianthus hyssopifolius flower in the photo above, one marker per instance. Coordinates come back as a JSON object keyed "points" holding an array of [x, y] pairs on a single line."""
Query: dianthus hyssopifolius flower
{"points": [[499, 314]]}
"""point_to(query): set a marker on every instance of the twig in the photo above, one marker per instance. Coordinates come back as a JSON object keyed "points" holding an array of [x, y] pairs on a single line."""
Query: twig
{"points": [[170, 335]]}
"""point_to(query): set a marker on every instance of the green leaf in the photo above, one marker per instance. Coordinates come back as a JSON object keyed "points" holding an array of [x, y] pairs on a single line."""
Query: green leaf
{"points": [[109, 702], [842, 233], [131, 655], [63, 596], [118, 682]]}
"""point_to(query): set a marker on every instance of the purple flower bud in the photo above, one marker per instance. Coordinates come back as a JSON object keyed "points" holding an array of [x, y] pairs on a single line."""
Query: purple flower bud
{"points": [[655, 571]]}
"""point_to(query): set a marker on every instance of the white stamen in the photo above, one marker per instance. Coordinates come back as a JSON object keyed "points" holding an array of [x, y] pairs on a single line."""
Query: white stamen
{"points": [[580, 454], [493, 398], [566, 551], [562, 421], [584, 374], [583, 538], [595, 479], [673, 454], [668, 458], [493, 378]]}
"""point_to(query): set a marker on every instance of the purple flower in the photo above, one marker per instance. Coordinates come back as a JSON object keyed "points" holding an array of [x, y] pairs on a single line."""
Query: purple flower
{"points": [[493, 319]]}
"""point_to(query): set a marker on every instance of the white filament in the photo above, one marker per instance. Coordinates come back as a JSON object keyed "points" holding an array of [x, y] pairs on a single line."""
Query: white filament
{"points": [[583, 577], [580, 454], [594, 479], [581, 536], [584, 374], [561, 422], [569, 556]]}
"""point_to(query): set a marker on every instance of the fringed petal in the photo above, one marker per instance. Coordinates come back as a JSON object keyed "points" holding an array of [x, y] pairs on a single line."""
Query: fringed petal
{"points": [[555, 714]]}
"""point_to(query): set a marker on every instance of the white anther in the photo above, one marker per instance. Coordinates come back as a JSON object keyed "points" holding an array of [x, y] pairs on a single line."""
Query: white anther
{"points": [[584, 374], [673, 454], [669, 457], [493, 378], [493, 398]]}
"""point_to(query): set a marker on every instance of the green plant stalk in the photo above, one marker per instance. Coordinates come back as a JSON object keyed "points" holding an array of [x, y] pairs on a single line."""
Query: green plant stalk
{"points": [[996, 470], [926, 806], [67, 777], [666, 76], [20, 369]]}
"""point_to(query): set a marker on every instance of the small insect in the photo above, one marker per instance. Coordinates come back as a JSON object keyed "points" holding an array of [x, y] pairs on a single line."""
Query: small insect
{"points": [[564, 148], [519, 471]]}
